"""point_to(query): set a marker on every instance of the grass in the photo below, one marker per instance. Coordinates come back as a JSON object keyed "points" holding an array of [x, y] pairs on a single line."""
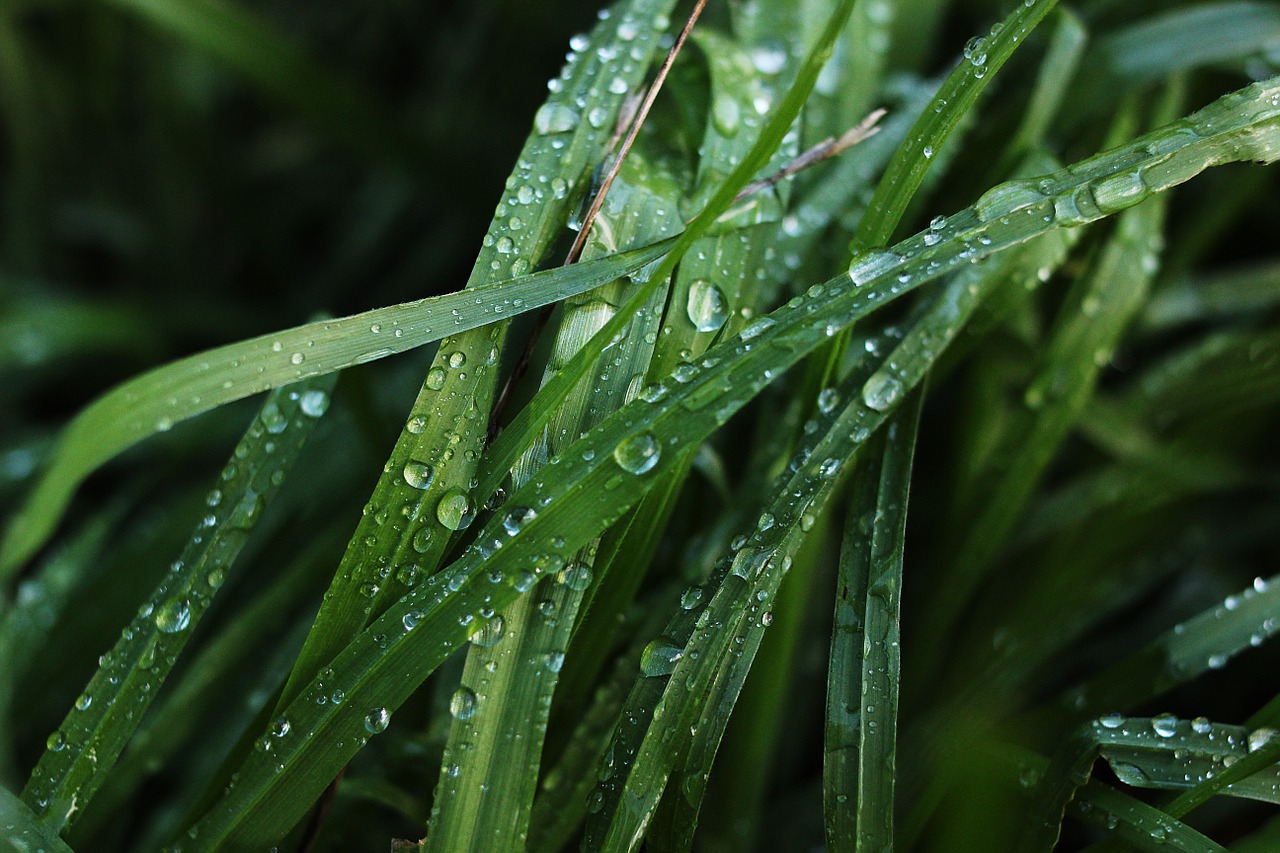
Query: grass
{"points": [[920, 500]]}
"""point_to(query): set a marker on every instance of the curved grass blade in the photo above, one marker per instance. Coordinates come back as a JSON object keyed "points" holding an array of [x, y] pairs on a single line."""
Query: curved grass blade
{"points": [[1139, 824], [1061, 61], [862, 703], [375, 677], [1186, 38], [21, 831], [1166, 753], [425, 495], [83, 750], [160, 398], [983, 57], [1201, 644]]}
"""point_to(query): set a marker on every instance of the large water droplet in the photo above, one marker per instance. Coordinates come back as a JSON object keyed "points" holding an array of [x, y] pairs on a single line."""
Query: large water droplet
{"points": [[555, 118], [489, 633], [638, 453], [707, 307], [377, 720], [418, 474], [314, 403], [456, 510], [462, 705], [660, 657], [174, 616], [881, 390]]}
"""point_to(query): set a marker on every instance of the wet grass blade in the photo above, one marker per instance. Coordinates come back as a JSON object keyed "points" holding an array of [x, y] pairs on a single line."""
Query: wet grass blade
{"points": [[159, 399], [21, 831], [83, 750], [859, 765]]}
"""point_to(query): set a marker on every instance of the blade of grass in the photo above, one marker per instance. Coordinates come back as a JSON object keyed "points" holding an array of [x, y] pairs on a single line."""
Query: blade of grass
{"points": [[158, 399], [859, 764], [83, 750], [21, 831], [1185, 652]]}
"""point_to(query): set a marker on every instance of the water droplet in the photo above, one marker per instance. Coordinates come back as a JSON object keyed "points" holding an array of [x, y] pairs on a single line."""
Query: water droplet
{"points": [[457, 359], [576, 576], [756, 328], [456, 510], [1165, 725], [725, 114], [280, 727], [174, 616], [881, 390], [516, 519], [377, 720], [489, 633], [707, 307], [660, 657], [556, 118], [1111, 721], [435, 378], [691, 597], [637, 454], [1201, 726], [272, 418], [411, 619], [462, 705], [418, 474], [56, 742], [314, 403]]}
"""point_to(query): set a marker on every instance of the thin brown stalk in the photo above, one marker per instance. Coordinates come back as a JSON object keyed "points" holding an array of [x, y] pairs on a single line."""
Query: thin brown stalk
{"points": [[824, 150]]}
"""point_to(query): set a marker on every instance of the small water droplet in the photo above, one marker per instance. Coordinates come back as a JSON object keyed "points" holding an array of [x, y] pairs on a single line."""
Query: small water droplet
{"points": [[174, 616], [660, 657], [881, 390], [377, 720], [637, 454], [456, 510], [707, 306], [463, 703]]}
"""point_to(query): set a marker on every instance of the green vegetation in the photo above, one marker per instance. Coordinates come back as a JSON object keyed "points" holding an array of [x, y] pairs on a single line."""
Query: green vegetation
{"points": [[920, 497]]}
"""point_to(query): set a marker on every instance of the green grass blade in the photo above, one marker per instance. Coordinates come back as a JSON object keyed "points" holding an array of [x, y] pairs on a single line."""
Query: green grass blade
{"points": [[1061, 61], [1186, 38], [862, 681], [83, 750], [175, 718], [1185, 652], [1224, 295], [160, 398], [1139, 824], [21, 831], [1167, 753], [984, 56], [645, 436], [1253, 775]]}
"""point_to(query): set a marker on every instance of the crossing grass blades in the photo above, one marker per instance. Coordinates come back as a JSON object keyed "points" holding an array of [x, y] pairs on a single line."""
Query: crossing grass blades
{"points": [[853, 431]]}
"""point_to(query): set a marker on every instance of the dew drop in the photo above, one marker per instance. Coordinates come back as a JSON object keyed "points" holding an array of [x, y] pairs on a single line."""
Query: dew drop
{"points": [[881, 390], [456, 510], [637, 454], [377, 720], [462, 705], [660, 657], [418, 474], [174, 616], [707, 307]]}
